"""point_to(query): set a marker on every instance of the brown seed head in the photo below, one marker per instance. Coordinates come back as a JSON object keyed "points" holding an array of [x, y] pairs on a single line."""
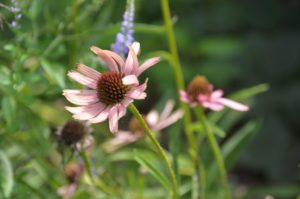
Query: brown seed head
{"points": [[73, 172], [135, 127], [73, 132], [199, 85]]}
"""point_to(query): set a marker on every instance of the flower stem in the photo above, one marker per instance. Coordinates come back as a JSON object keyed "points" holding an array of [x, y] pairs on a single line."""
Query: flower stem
{"points": [[160, 150], [193, 149], [87, 164], [178, 73], [216, 150]]}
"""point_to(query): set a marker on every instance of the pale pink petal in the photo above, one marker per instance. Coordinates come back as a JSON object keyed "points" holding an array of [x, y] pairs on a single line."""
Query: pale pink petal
{"points": [[113, 119], [217, 94], [212, 105], [184, 96], [122, 138], [101, 116], [232, 104], [89, 72], [138, 92], [67, 191], [110, 62], [147, 64], [152, 118], [136, 47], [135, 60], [129, 64], [203, 98], [130, 80], [86, 81], [121, 110], [168, 121], [126, 101], [167, 110], [116, 57], [81, 98], [88, 112], [81, 109]]}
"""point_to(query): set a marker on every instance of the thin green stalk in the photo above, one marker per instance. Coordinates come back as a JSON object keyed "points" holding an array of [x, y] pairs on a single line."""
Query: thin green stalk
{"points": [[216, 151], [87, 165], [160, 150], [193, 149], [178, 74], [97, 183]]}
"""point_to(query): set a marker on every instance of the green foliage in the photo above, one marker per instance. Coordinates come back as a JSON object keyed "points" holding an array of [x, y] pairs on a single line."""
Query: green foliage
{"points": [[55, 35]]}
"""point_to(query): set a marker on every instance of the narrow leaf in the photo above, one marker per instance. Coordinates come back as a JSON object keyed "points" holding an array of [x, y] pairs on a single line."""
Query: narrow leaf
{"points": [[6, 175], [156, 173]]}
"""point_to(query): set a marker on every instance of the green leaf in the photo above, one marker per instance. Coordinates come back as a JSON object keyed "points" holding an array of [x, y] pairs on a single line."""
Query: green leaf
{"points": [[216, 130], [234, 146], [9, 111], [55, 72], [6, 175], [155, 172]]}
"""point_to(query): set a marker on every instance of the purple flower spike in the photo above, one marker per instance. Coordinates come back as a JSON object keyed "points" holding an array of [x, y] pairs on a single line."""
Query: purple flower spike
{"points": [[125, 37]]}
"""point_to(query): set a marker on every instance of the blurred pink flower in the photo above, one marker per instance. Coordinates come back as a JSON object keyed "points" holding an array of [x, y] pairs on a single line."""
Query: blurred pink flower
{"points": [[73, 172], [200, 91], [156, 122], [110, 92]]}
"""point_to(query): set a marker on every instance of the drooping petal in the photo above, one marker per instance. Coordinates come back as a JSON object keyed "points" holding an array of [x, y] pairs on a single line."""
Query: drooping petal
{"points": [[168, 121], [101, 116], [233, 104], [82, 79], [89, 72], [215, 106], [184, 96], [67, 191], [81, 97], [147, 64], [88, 112], [119, 60], [167, 110], [113, 119], [152, 118], [110, 62], [121, 110], [138, 92], [217, 94], [130, 80]]}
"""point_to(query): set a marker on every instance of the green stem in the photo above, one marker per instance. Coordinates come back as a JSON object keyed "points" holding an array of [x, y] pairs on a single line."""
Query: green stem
{"points": [[160, 150], [216, 151], [193, 149], [87, 165]]}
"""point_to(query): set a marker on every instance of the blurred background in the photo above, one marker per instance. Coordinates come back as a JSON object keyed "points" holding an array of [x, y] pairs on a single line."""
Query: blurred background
{"points": [[236, 44]]}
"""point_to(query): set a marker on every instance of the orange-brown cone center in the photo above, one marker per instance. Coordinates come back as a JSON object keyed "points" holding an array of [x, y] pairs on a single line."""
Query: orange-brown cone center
{"points": [[199, 85], [111, 89]]}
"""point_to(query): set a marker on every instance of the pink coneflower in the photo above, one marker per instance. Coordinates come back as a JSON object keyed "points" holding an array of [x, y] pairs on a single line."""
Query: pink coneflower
{"points": [[110, 92], [200, 91], [155, 121], [73, 172]]}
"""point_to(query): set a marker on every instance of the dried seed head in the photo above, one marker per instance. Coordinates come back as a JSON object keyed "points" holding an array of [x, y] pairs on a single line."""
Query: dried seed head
{"points": [[73, 171], [111, 89], [199, 85], [73, 132], [135, 127]]}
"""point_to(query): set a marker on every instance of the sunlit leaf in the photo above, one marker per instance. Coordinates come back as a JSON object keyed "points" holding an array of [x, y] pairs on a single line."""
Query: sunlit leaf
{"points": [[6, 175], [154, 171]]}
